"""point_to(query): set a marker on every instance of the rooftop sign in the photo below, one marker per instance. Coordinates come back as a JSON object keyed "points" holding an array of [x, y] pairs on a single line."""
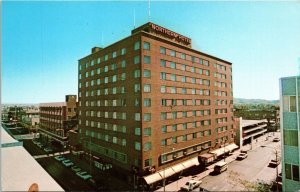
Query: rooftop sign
{"points": [[165, 33]]}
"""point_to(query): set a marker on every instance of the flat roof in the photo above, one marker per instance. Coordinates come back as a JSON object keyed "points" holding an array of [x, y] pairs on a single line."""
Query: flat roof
{"points": [[246, 123], [19, 170], [56, 104]]}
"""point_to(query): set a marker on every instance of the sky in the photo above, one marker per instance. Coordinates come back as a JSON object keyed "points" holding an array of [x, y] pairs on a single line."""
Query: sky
{"points": [[43, 41]]}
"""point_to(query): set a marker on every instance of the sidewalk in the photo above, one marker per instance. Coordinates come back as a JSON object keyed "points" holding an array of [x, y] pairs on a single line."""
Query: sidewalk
{"points": [[51, 155], [175, 186]]}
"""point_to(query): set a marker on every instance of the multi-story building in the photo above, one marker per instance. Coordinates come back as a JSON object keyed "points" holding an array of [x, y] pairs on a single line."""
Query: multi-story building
{"points": [[56, 119], [290, 126], [150, 101]]}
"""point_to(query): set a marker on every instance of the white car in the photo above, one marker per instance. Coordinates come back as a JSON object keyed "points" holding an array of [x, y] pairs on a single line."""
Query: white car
{"points": [[59, 158], [242, 156], [191, 185]]}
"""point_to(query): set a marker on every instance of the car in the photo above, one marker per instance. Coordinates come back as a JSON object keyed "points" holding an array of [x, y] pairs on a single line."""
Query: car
{"points": [[191, 185], [40, 145], [242, 156], [274, 163], [59, 158], [67, 163], [48, 150], [276, 139], [76, 169], [83, 175]]}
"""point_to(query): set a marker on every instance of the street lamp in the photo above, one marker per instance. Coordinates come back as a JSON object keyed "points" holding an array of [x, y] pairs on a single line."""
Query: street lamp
{"points": [[276, 159]]}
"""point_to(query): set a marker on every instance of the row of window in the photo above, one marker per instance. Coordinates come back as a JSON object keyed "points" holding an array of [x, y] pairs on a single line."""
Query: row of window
{"points": [[183, 90], [106, 103], [220, 93], [222, 140], [121, 157], [183, 114], [220, 67], [184, 56], [221, 129], [147, 146], [147, 131], [106, 126], [183, 79], [187, 137], [107, 115], [186, 151], [221, 120], [183, 67], [106, 137], [106, 91]]}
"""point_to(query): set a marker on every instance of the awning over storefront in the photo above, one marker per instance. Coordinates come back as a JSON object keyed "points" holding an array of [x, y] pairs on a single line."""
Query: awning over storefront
{"points": [[219, 152], [207, 157], [231, 147], [166, 172], [152, 178], [178, 168], [170, 171]]}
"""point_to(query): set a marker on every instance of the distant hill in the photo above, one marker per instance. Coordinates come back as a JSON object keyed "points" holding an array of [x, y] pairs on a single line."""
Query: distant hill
{"points": [[238, 101]]}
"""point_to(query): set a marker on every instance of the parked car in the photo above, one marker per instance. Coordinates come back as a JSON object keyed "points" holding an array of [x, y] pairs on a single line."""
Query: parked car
{"points": [[83, 175], [40, 145], [220, 167], [76, 169], [59, 158], [276, 139], [67, 163], [274, 163], [191, 185], [242, 156], [48, 149]]}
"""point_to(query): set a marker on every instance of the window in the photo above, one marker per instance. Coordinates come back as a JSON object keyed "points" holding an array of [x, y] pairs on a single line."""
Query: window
{"points": [[163, 115], [137, 131], [137, 146], [137, 45], [147, 59], [183, 79], [173, 89], [148, 162], [183, 67], [123, 51], [137, 88], [172, 53], [172, 65], [162, 63], [147, 88], [147, 131], [123, 142], [163, 50], [290, 137], [147, 73], [123, 63], [115, 140], [173, 77], [147, 102], [137, 102], [288, 172], [146, 45], [183, 91], [137, 116], [105, 57], [295, 169], [174, 127], [184, 138], [174, 139], [147, 146], [137, 73], [183, 56], [114, 78], [164, 129], [163, 89], [163, 142], [114, 54], [163, 76], [147, 117], [136, 59]]}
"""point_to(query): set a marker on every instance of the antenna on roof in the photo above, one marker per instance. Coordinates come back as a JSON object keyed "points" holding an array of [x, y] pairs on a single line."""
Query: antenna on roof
{"points": [[148, 10], [134, 18]]}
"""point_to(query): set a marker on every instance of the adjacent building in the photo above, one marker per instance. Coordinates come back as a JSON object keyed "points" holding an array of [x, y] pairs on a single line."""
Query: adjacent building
{"points": [[289, 115], [56, 119], [150, 101]]}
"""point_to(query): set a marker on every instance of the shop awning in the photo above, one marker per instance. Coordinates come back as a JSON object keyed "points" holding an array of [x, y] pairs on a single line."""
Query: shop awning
{"points": [[152, 178], [178, 168], [231, 147], [220, 151], [166, 172], [191, 162]]}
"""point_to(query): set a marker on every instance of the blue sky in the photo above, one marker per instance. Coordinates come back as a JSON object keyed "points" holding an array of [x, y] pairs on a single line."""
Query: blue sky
{"points": [[42, 41]]}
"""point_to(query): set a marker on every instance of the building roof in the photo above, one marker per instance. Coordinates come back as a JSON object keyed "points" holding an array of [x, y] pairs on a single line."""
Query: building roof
{"points": [[57, 104], [246, 123], [19, 170]]}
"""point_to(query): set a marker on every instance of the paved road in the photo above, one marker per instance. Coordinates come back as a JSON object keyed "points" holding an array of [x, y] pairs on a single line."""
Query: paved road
{"points": [[251, 169]]}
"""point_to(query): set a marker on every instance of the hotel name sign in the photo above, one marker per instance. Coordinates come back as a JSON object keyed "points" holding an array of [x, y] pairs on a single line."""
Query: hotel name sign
{"points": [[170, 34]]}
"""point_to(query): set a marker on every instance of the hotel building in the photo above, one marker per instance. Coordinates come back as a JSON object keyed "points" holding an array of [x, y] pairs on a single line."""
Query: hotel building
{"points": [[150, 101], [56, 119], [289, 125]]}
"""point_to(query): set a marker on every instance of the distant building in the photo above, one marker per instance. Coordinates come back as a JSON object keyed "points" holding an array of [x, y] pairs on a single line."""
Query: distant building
{"points": [[271, 115], [31, 116], [290, 126], [150, 102], [56, 119], [248, 130]]}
